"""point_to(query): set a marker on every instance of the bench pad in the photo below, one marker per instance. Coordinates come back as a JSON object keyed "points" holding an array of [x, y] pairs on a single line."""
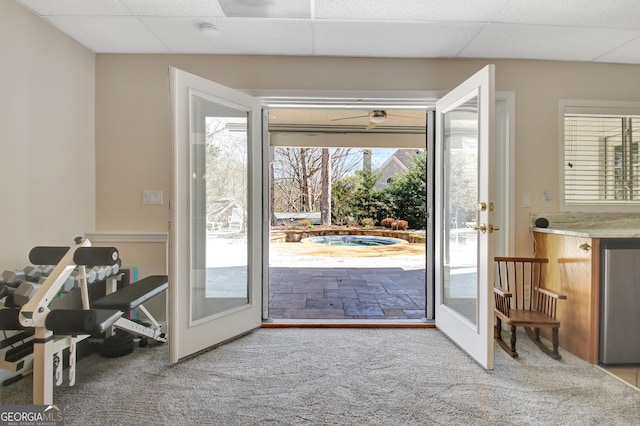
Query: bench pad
{"points": [[133, 295], [78, 321]]}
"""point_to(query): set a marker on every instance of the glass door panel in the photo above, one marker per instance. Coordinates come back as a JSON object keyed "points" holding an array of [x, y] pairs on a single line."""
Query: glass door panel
{"points": [[460, 291], [219, 204]]}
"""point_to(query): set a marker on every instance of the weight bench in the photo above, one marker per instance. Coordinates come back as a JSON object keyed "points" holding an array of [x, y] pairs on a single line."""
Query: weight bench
{"points": [[133, 297]]}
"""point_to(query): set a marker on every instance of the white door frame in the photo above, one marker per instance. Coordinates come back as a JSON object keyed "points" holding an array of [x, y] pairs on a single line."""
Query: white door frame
{"points": [[188, 335], [505, 135]]}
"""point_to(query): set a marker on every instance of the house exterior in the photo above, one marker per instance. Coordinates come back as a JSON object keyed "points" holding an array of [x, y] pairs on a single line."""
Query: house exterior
{"points": [[399, 162]]}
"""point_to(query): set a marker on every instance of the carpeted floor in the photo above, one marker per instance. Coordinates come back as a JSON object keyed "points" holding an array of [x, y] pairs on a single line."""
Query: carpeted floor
{"points": [[340, 377]]}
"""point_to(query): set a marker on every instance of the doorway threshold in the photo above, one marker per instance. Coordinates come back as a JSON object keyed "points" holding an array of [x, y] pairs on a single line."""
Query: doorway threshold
{"points": [[347, 323]]}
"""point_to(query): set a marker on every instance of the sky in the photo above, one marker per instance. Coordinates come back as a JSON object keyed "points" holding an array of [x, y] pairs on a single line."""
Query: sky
{"points": [[380, 155]]}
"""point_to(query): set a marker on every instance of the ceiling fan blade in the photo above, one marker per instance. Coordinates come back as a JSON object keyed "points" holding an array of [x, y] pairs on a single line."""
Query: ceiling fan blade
{"points": [[349, 118], [405, 116]]}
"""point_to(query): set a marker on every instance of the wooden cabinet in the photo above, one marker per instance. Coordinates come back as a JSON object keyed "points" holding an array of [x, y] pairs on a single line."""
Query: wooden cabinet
{"points": [[574, 270]]}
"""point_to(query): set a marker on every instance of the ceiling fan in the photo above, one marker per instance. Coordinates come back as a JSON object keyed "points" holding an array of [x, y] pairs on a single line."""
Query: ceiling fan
{"points": [[375, 116]]}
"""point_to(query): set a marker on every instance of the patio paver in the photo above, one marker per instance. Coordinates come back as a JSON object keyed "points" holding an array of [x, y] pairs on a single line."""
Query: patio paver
{"points": [[346, 293]]}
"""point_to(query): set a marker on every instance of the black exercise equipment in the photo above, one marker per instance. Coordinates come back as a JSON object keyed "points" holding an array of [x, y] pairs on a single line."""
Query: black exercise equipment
{"points": [[9, 319], [88, 256], [132, 296], [73, 321]]}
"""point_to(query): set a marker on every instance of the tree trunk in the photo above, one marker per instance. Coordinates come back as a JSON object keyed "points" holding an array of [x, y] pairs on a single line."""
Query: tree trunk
{"points": [[272, 196], [304, 190], [325, 201], [366, 161]]}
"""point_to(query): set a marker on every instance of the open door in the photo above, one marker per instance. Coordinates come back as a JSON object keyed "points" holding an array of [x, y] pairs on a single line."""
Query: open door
{"points": [[464, 206], [215, 247]]}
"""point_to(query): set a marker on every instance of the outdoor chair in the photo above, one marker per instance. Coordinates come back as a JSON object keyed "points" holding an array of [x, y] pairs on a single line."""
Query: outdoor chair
{"points": [[522, 301]]}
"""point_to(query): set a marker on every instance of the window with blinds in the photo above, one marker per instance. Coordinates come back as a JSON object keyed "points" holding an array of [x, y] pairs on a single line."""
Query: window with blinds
{"points": [[601, 162]]}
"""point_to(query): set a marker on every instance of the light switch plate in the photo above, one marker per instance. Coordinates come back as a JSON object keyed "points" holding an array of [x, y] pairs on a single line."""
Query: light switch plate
{"points": [[151, 196], [526, 200]]}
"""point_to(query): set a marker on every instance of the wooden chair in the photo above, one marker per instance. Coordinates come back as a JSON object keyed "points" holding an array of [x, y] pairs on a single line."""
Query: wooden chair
{"points": [[521, 301]]}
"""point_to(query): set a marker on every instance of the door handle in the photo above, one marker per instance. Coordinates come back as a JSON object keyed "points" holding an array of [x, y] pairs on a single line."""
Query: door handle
{"points": [[482, 228], [493, 228]]}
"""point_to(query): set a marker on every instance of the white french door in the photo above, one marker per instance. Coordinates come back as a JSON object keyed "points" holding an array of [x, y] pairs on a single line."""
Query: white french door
{"points": [[216, 236], [464, 227]]}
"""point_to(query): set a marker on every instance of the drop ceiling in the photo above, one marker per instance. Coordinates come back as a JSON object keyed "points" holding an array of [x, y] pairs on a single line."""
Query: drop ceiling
{"points": [[571, 30]]}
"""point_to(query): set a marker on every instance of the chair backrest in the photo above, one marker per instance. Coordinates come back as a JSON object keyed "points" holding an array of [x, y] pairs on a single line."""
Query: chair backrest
{"points": [[520, 276]]}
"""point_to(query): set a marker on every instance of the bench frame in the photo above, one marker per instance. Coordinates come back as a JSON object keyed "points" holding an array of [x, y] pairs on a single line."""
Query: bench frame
{"points": [[154, 331]]}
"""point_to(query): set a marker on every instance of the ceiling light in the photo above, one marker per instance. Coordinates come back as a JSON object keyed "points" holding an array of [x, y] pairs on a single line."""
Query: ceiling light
{"points": [[209, 30], [377, 116]]}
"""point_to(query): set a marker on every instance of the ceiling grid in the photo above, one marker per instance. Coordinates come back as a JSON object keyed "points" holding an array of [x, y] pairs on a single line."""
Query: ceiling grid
{"points": [[571, 30]]}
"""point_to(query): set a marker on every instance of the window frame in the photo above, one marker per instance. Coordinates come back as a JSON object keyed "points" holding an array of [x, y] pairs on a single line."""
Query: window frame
{"points": [[579, 106]]}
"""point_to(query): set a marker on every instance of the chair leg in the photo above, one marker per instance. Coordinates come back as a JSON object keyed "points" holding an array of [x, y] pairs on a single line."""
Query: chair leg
{"points": [[534, 335], [497, 334], [513, 340], [498, 329], [555, 340]]}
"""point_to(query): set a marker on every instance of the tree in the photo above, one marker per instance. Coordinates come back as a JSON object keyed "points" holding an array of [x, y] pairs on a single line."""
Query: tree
{"points": [[356, 198], [325, 200], [225, 164], [298, 175], [408, 193], [463, 193]]}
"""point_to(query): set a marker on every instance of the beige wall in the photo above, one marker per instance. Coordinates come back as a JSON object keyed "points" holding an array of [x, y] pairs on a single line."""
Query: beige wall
{"points": [[133, 129], [47, 135]]}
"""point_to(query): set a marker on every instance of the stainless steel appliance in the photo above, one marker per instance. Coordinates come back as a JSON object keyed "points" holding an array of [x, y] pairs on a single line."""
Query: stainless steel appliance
{"points": [[620, 301]]}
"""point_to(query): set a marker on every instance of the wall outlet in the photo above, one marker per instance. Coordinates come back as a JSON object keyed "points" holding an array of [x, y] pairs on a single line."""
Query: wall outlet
{"points": [[526, 200], [151, 196]]}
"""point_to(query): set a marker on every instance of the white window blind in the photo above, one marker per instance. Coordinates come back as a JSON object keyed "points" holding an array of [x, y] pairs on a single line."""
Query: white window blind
{"points": [[601, 162]]}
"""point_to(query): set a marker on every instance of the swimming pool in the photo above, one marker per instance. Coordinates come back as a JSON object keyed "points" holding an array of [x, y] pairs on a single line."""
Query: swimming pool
{"points": [[353, 240]]}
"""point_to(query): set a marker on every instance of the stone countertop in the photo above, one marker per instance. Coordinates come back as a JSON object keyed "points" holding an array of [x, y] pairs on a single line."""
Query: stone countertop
{"points": [[591, 225]]}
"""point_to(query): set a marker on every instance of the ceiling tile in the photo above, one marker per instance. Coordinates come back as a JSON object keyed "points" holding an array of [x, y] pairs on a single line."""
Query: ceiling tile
{"points": [[545, 42], [174, 8], [396, 39], [296, 9], [602, 14], [76, 7], [626, 54], [120, 34], [408, 10], [236, 35]]}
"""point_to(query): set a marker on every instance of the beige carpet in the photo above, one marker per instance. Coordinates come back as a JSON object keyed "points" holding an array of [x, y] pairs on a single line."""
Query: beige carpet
{"points": [[340, 377]]}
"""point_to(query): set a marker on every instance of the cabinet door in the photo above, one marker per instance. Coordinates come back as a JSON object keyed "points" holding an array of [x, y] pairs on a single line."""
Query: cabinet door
{"points": [[573, 270]]}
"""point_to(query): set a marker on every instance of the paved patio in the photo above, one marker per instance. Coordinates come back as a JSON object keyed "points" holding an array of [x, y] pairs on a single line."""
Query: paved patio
{"points": [[335, 286]]}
